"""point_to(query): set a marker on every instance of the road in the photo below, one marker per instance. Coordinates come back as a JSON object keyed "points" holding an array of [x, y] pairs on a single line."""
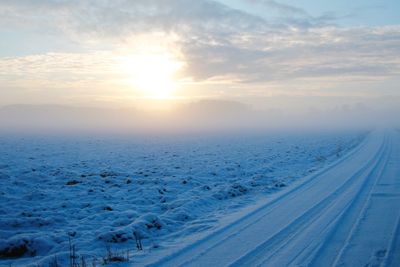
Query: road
{"points": [[346, 215]]}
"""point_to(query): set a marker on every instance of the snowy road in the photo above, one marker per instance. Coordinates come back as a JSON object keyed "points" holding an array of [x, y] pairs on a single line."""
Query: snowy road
{"points": [[345, 215]]}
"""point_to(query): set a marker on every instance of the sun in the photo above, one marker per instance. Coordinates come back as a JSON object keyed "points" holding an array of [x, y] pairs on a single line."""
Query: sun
{"points": [[153, 75]]}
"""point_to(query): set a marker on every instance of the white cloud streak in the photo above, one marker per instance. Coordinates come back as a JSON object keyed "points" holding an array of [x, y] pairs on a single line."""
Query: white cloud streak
{"points": [[215, 40]]}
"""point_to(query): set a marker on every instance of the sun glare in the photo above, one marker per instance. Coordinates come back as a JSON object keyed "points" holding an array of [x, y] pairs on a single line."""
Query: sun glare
{"points": [[153, 75]]}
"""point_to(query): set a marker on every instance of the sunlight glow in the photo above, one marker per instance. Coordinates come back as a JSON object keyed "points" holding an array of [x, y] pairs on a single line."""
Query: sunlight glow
{"points": [[153, 75]]}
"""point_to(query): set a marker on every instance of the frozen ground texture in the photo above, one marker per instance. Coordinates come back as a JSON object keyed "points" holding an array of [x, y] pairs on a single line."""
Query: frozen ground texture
{"points": [[169, 191], [345, 215]]}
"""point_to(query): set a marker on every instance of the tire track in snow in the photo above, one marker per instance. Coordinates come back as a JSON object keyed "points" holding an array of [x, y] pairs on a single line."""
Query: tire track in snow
{"points": [[328, 248], [393, 256], [221, 235], [350, 218], [373, 238], [320, 214], [265, 254]]}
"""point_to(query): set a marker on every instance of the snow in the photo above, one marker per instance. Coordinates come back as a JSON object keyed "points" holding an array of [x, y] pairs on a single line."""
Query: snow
{"points": [[102, 192], [347, 214]]}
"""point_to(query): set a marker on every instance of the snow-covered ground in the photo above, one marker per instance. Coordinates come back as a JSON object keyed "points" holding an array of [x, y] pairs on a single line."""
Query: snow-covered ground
{"points": [[101, 192], [347, 214]]}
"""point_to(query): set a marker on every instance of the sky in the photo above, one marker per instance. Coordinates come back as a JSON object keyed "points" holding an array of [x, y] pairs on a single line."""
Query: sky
{"points": [[152, 54]]}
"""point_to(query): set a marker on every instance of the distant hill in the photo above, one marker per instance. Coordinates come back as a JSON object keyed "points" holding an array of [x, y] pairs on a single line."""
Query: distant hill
{"points": [[205, 115]]}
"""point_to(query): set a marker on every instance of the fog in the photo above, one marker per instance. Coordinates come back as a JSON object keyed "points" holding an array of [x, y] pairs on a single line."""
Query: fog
{"points": [[205, 116]]}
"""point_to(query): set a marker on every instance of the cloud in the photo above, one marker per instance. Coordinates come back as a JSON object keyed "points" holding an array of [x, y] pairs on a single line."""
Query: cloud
{"points": [[319, 52], [283, 8], [215, 40], [295, 16], [123, 17]]}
